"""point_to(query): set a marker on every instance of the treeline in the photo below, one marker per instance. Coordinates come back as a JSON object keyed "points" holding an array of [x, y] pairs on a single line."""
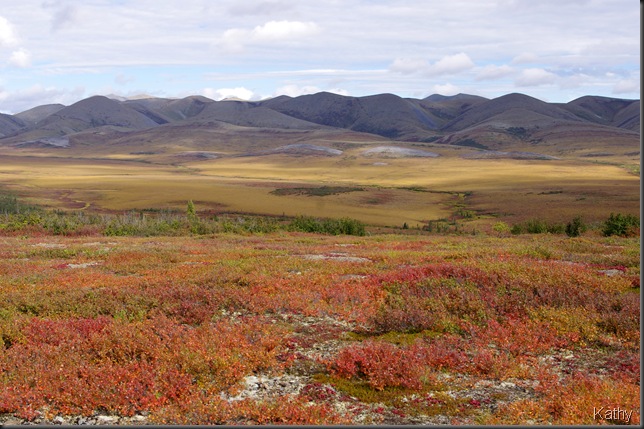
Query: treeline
{"points": [[15, 217]]}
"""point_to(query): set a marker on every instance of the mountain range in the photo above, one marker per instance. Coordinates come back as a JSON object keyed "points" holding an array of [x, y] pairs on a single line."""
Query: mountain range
{"points": [[463, 120]]}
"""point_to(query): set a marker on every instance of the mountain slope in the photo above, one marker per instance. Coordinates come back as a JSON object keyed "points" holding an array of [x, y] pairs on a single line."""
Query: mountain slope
{"points": [[512, 110], [248, 114], [32, 116], [10, 124], [607, 111], [444, 108], [95, 112], [387, 115]]}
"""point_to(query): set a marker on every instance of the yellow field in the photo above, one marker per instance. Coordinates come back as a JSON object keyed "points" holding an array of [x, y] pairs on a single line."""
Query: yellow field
{"points": [[510, 189]]}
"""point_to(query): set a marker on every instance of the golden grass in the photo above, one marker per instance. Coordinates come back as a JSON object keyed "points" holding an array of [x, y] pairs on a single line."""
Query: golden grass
{"points": [[510, 189]]}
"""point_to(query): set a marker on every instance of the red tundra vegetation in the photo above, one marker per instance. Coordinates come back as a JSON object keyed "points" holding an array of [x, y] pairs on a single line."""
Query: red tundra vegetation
{"points": [[295, 328]]}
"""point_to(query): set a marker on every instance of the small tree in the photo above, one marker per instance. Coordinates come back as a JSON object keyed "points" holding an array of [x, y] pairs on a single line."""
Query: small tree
{"points": [[575, 227]]}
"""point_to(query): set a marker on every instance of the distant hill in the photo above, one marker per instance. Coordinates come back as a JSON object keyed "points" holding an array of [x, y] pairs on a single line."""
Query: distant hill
{"points": [[510, 110], [248, 114], [32, 116], [607, 111], [510, 122], [10, 124], [385, 114]]}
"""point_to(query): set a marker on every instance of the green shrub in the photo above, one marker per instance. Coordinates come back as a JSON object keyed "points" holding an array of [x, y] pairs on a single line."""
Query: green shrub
{"points": [[538, 226], [345, 226], [501, 227], [575, 227], [623, 225]]}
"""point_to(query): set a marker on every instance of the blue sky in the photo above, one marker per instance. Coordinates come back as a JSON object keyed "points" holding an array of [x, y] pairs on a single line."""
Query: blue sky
{"points": [[60, 51]]}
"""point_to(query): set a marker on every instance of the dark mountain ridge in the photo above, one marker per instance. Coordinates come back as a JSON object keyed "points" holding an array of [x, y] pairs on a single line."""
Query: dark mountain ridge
{"points": [[434, 118]]}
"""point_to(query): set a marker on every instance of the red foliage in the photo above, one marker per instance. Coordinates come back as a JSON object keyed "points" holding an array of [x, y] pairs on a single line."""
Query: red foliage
{"points": [[81, 365], [381, 364]]}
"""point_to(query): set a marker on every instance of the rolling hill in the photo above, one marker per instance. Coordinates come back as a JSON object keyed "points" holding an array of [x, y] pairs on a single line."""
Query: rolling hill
{"points": [[512, 122]]}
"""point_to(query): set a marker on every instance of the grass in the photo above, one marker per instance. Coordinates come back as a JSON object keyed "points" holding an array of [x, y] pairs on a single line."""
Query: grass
{"points": [[508, 189]]}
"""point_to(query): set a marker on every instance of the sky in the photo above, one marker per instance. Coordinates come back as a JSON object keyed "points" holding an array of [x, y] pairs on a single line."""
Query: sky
{"points": [[61, 51]]}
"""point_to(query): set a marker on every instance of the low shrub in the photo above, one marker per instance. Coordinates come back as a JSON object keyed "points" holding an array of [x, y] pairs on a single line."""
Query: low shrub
{"points": [[381, 364], [575, 227], [538, 226], [346, 226], [622, 225]]}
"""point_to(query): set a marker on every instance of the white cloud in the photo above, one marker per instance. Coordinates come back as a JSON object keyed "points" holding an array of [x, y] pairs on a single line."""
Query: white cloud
{"points": [[36, 95], [234, 39], [221, 93], [281, 30], [574, 81], [452, 64], [535, 77], [446, 89], [409, 65], [20, 58], [260, 8], [8, 36], [123, 79], [296, 90], [627, 86], [492, 71], [525, 57], [449, 64]]}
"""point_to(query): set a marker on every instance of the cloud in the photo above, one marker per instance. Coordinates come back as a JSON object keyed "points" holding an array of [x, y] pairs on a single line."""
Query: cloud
{"points": [[297, 90], [122, 79], [36, 95], [452, 64], [280, 30], [446, 89], [8, 36], [20, 58], [535, 77], [627, 86], [525, 57], [409, 66], [260, 8], [64, 15], [221, 93], [235, 39], [449, 64], [492, 71]]}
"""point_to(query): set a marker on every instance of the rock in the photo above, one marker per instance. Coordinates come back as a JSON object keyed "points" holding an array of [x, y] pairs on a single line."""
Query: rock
{"points": [[611, 273], [83, 265], [106, 420]]}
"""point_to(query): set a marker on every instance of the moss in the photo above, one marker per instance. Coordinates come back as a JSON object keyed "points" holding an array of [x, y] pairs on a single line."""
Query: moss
{"points": [[429, 401]]}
